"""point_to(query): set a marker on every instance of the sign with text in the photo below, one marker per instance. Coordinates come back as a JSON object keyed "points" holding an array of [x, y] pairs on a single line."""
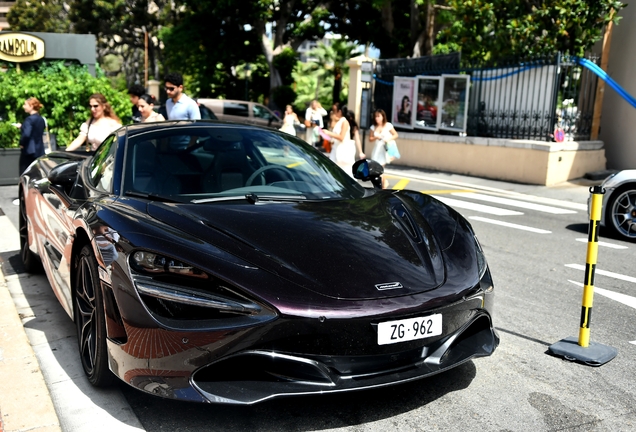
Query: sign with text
{"points": [[20, 47]]}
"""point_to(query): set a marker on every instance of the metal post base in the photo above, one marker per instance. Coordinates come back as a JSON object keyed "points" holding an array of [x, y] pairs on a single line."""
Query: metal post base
{"points": [[594, 355]]}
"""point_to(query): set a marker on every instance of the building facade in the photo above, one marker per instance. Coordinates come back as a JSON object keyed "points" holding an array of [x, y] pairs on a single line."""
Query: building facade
{"points": [[4, 9]]}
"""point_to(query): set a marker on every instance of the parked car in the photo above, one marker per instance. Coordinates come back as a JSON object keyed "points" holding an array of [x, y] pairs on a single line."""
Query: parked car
{"points": [[619, 204], [242, 112], [215, 262]]}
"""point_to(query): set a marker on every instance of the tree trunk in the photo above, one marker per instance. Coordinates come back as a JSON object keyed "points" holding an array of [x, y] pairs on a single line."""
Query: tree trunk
{"points": [[387, 17], [337, 86], [415, 24], [430, 27]]}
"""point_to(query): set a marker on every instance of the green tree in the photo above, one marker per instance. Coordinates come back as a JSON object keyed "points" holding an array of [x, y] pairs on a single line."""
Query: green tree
{"points": [[331, 60], [47, 16], [495, 29], [64, 92]]}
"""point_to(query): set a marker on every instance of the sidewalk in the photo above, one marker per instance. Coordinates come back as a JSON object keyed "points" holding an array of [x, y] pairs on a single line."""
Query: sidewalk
{"points": [[25, 401]]}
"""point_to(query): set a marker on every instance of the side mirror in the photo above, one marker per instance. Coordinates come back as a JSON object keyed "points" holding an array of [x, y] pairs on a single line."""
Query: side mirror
{"points": [[368, 170], [64, 174]]}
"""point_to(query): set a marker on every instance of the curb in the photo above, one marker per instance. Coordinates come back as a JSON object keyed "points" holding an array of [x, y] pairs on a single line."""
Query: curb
{"points": [[25, 401]]}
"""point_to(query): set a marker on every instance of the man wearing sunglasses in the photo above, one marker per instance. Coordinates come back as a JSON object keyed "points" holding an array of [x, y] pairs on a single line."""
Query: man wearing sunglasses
{"points": [[179, 106]]}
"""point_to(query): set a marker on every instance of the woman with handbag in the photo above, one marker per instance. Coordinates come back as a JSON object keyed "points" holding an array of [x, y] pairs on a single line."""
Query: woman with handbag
{"points": [[343, 148], [384, 135]]}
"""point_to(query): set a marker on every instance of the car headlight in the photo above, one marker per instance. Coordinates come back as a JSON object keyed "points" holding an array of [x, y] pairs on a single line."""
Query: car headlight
{"points": [[148, 262], [174, 290]]}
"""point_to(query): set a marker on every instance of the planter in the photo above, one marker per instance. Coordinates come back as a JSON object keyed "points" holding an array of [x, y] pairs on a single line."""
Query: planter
{"points": [[9, 166]]}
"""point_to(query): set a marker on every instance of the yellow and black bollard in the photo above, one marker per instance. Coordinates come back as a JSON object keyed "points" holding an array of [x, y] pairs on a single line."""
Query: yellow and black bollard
{"points": [[584, 351]]}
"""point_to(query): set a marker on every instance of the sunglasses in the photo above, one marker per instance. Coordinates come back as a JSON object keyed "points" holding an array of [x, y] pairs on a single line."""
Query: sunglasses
{"points": [[169, 89], [93, 106]]}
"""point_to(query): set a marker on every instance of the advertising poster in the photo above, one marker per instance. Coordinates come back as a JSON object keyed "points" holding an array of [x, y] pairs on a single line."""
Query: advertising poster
{"points": [[428, 95], [403, 96], [454, 102]]}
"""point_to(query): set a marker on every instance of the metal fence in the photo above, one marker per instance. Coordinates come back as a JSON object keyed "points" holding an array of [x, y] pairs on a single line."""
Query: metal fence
{"points": [[518, 99]]}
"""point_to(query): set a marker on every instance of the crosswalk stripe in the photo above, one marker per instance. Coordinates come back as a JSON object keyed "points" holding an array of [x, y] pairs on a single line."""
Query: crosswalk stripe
{"points": [[444, 191], [496, 191], [605, 244], [513, 203], [510, 225], [622, 298], [476, 207], [604, 273]]}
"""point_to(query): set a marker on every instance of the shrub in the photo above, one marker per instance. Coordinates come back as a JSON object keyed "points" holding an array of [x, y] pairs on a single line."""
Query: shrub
{"points": [[63, 90]]}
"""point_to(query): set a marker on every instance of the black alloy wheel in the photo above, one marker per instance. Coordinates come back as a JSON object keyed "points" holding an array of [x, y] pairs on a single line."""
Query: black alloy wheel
{"points": [[31, 261], [90, 320], [621, 212]]}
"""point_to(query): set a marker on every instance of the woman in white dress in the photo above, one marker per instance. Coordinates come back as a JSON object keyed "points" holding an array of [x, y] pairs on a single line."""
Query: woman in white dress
{"points": [[289, 121], [343, 148], [382, 132], [102, 122]]}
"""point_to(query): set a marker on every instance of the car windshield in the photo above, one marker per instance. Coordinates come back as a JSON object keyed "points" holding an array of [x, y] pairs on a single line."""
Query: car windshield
{"points": [[202, 164]]}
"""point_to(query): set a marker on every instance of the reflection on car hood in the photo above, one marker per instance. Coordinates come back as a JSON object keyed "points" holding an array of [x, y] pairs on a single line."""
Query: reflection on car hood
{"points": [[374, 247]]}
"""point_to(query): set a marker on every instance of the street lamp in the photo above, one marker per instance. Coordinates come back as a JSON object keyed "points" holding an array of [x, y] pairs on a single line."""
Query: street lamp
{"points": [[248, 72]]}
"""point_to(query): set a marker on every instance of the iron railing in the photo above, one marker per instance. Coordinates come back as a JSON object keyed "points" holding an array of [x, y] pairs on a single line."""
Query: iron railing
{"points": [[517, 99]]}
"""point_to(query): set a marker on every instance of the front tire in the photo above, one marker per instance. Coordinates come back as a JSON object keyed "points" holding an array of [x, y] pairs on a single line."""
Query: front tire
{"points": [[31, 261], [621, 212], [90, 320]]}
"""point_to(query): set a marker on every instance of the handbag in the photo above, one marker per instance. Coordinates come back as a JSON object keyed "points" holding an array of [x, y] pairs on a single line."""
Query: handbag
{"points": [[392, 149]]}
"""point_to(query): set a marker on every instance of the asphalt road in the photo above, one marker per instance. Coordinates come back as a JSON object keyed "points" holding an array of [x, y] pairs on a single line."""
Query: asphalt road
{"points": [[535, 241]]}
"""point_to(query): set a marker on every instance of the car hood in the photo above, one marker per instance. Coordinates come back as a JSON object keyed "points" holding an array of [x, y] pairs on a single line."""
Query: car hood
{"points": [[374, 247]]}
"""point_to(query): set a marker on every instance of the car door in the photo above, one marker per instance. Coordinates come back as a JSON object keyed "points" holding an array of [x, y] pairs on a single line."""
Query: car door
{"points": [[263, 116]]}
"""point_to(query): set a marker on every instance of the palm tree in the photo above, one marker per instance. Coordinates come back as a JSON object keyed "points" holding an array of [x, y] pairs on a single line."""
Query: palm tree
{"points": [[331, 59]]}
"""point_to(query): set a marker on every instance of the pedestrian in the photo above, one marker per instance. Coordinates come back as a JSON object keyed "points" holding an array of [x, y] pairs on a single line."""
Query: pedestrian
{"points": [[179, 106], [383, 133], [31, 133], [135, 92], [96, 129], [355, 133], [146, 107], [343, 149], [313, 120], [290, 121]]}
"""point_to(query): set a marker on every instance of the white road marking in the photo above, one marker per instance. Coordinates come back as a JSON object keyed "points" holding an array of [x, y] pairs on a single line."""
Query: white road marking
{"points": [[604, 273], [477, 207], [502, 192], [510, 225], [604, 244], [10, 239], [621, 298], [633, 342], [513, 203]]}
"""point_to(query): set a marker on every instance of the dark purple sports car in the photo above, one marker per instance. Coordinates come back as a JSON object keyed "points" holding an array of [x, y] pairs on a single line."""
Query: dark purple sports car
{"points": [[227, 263]]}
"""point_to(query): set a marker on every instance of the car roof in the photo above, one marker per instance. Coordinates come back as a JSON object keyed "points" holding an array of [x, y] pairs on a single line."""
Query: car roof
{"points": [[137, 128]]}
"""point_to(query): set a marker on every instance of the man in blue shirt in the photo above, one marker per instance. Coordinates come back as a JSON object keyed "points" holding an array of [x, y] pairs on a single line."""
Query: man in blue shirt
{"points": [[179, 106]]}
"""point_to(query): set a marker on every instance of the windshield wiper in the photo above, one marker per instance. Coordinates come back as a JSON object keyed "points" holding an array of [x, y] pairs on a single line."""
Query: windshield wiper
{"points": [[216, 199], [254, 198], [151, 196]]}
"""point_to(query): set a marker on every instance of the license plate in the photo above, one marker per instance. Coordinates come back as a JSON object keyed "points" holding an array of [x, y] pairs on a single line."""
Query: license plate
{"points": [[409, 329]]}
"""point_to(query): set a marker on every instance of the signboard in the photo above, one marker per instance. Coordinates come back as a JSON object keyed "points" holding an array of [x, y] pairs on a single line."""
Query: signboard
{"points": [[20, 47], [366, 70], [403, 96], [428, 97], [454, 103], [365, 109]]}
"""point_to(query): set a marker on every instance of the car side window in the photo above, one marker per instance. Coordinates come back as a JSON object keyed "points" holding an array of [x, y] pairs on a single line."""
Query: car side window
{"points": [[261, 112], [236, 109], [103, 165]]}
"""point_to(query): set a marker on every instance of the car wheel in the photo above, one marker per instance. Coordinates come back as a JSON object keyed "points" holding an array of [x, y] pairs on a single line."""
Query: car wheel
{"points": [[621, 212], [31, 261], [90, 320]]}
